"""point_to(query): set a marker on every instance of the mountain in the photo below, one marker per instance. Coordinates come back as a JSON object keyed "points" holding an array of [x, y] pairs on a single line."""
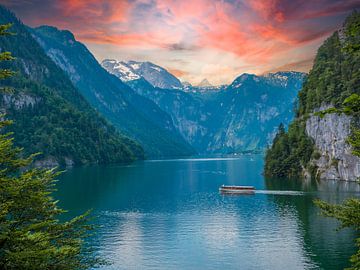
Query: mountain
{"points": [[323, 141], [243, 116], [134, 115], [49, 113], [252, 108], [132, 70], [204, 84]]}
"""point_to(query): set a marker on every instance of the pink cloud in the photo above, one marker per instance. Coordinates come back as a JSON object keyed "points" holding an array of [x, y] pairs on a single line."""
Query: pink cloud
{"points": [[257, 32]]}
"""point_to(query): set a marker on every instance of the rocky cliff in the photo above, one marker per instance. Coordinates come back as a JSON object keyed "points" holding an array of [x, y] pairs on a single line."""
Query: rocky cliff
{"points": [[241, 117], [330, 134], [323, 141], [133, 115]]}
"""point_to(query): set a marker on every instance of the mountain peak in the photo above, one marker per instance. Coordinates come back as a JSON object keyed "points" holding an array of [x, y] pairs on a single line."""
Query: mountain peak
{"points": [[56, 32], [205, 83], [133, 70], [120, 69]]}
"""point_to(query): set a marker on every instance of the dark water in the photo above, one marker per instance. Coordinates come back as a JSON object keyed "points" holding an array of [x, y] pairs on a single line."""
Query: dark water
{"points": [[169, 215]]}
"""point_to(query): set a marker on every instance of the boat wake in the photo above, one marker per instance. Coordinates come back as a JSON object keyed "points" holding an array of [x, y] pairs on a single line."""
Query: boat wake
{"points": [[280, 192]]}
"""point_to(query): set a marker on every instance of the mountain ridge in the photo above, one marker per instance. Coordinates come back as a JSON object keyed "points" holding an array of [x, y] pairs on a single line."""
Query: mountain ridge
{"points": [[216, 122], [132, 70], [50, 115], [321, 141], [134, 115]]}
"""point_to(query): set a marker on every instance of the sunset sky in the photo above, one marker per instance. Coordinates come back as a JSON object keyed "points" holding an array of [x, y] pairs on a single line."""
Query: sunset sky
{"points": [[196, 39]]}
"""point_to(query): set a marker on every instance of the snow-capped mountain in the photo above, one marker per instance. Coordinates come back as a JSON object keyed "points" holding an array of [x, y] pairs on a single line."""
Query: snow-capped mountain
{"points": [[243, 116], [120, 69], [132, 114], [133, 70]]}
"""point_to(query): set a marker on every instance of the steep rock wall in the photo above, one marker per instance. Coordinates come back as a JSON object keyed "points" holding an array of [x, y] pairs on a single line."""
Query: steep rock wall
{"points": [[330, 135]]}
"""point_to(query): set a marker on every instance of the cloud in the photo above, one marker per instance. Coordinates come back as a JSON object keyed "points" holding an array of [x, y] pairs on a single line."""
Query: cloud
{"points": [[177, 72], [182, 47], [301, 66], [256, 33]]}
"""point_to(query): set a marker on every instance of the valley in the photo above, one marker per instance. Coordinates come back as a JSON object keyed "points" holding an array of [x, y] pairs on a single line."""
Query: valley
{"points": [[119, 116], [149, 105]]}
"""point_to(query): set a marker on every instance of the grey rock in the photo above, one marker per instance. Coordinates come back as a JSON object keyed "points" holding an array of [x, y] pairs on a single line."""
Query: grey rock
{"points": [[19, 101], [241, 117], [49, 162], [330, 135]]}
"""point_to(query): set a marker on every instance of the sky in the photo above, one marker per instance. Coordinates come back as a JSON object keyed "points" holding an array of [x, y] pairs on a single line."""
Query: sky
{"points": [[196, 39]]}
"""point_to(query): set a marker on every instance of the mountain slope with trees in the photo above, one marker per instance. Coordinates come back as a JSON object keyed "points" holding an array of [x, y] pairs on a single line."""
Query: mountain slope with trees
{"points": [[322, 139], [132, 114], [50, 115], [240, 117]]}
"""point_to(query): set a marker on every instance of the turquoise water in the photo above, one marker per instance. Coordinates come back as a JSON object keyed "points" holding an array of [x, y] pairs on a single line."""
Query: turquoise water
{"points": [[169, 215]]}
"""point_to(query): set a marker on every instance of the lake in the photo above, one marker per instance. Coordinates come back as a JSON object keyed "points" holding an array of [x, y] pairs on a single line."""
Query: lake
{"points": [[169, 215]]}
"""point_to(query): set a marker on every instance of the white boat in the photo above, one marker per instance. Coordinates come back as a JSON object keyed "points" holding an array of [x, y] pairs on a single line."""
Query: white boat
{"points": [[237, 189]]}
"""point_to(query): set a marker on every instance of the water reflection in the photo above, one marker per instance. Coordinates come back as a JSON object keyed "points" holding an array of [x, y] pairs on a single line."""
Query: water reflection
{"points": [[169, 215], [319, 233]]}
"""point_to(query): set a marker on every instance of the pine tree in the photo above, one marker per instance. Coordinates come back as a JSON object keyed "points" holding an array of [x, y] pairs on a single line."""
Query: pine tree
{"points": [[31, 235], [348, 214]]}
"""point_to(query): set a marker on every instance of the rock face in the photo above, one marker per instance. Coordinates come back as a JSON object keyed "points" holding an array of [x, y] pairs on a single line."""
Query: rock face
{"points": [[133, 115], [330, 134], [19, 101], [243, 116]]}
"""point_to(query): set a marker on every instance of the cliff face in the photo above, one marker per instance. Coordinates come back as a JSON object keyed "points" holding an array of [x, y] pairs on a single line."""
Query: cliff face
{"points": [[330, 135], [323, 140], [242, 117], [133, 115]]}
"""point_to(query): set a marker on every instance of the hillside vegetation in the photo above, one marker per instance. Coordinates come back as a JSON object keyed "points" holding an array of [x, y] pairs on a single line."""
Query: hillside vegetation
{"points": [[334, 78], [50, 115]]}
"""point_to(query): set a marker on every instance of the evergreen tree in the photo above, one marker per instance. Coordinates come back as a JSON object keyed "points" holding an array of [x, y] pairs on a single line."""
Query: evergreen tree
{"points": [[31, 236], [333, 80], [348, 214]]}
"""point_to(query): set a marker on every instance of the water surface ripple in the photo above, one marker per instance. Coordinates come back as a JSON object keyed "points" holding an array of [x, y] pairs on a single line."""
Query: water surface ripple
{"points": [[169, 215]]}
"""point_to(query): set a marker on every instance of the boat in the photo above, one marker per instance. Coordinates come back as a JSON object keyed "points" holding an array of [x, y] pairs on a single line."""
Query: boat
{"points": [[237, 189]]}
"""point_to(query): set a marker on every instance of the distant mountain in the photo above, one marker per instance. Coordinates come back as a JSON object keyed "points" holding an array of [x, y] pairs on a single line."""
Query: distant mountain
{"points": [[252, 107], [186, 84], [167, 122], [243, 116], [134, 115], [204, 84], [132, 70], [50, 115]]}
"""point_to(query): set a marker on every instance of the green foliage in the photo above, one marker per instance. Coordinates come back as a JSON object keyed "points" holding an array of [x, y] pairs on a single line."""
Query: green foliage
{"points": [[53, 126], [5, 56], [354, 141], [334, 79], [336, 71], [132, 114], [348, 214], [321, 114], [31, 236], [352, 45], [50, 115], [351, 105], [290, 152]]}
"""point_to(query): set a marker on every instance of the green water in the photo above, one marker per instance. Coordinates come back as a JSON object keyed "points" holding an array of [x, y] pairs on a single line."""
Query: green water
{"points": [[169, 215]]}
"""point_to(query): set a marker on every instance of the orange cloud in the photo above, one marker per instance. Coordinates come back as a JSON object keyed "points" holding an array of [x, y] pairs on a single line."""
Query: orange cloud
{"points": [[177, 72], [256, 33], [302, 66]]}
